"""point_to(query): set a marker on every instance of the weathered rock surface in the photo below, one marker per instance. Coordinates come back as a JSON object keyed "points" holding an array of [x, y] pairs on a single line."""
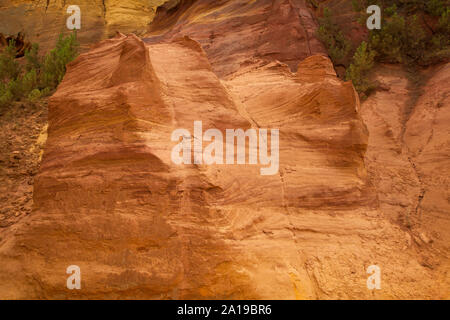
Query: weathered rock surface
{"points": [[427, 136], [109, 199], [408, 163], [43, 21], [22, 139], [237, 33]]}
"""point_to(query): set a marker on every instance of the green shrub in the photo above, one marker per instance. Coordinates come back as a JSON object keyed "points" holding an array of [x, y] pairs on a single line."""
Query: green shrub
{"points": [[436, 7], [403, 38], [444, 23], [41, 76], [358, 71], [6, 97], [390, 11], [21, 86], [338, 46], [361, 5], [9, 92], [32, 57], [34, 95], [55, 61], [9, 67], [387, 42], [408, 7], [356, 5], [29, 82], [415, 41], [16, 89], [46, 92]]}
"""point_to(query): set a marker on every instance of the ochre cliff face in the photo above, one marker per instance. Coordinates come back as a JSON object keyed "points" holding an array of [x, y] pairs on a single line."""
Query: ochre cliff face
{"points": [[357, 185], [238, 33], [109, 199], [142, 226], [408, 158], [408, 163], [43, 21], [427, 135]]}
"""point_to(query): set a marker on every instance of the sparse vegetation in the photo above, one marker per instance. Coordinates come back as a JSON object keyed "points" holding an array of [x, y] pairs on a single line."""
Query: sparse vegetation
{"points": [[314, 3], [406, 37], [338, 46], [38, 77], [405, 40], [436, 7], [32, 57], [409, 7]]}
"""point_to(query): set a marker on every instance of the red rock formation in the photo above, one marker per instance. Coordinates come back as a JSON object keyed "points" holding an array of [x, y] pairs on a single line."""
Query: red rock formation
{"points": [[43, 21], [109, 199], [235, 34], [407, 161], [427, 139]]}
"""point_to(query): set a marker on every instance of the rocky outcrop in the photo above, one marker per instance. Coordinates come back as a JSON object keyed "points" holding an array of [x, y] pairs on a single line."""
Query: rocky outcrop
{"points": [[43, 21], [237, 34], [357, 185], [109, 198], [20, 44], [407, 164]]}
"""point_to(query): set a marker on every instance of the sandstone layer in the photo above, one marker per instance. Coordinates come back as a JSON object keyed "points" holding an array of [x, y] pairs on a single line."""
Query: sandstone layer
{"points": [[237, 33], [426, 137], [358, 185], [109, 199], [42, 21]]}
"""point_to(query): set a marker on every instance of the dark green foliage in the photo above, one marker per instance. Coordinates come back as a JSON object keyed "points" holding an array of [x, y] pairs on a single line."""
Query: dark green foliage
{"points": [[40, 76], [390, 11], [408, 7], [400, 40], [403, 39], [54, 66], [361, 5], [6, 95], [358, 71], [444, 23], [405, 36], [9, 71], [356, 4], [387, 42], [34, 95], [9, 67], [338, 46], [29, 82]]}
